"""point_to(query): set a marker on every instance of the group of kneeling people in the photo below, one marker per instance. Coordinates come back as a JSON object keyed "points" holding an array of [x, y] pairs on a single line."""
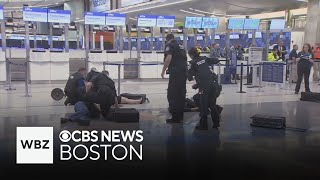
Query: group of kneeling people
{"points": [[85, 92]]}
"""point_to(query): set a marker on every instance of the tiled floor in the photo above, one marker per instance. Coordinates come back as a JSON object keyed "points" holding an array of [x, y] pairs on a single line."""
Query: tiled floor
{"points": [[235, 146]]}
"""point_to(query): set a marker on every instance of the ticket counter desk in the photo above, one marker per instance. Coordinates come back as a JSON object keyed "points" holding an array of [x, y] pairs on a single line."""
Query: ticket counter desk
{"points": [[76, 59], [40, 66], [150, 70], [96, 59], [3, 71], [114, 57], [59, 65]]}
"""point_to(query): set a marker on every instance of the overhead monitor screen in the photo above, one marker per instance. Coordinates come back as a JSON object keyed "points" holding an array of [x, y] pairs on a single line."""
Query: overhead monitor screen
{"points": [[147, 20], [35, 14], [258, 35], [95, 18], [235, 23], [251, 24], [59, 16], [200, 38], [125, 3], [193, 22], [210, 23], [1, 12], [277, 24], [115, 19], [234, 36], [165, 21], [217, 36]]}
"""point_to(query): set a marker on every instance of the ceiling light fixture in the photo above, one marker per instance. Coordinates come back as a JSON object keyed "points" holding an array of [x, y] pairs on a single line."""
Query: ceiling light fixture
{"points": [[191, 12]]}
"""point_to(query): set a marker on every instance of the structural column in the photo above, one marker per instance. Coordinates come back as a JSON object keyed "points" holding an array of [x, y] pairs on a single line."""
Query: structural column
{"points": [[312, 28]]}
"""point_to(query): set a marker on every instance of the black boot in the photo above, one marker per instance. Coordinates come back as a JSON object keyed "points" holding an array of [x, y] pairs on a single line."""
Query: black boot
{"points": [[174, 119], [216, 121], [203, 125]]}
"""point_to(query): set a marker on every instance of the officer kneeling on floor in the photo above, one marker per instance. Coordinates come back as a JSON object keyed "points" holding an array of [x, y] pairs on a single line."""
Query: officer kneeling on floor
{"points": [[74, 86], [205, 79], [101, 90]]}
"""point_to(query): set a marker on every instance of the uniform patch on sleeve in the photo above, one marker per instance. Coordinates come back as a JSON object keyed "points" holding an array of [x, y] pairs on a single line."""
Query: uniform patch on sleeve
{"points": [[167, 48]]}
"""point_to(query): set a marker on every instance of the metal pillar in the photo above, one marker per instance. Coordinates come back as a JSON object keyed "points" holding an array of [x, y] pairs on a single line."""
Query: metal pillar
{"points": [[51, 34], [163, 38], [267, 41], [66, 37], [227, 44], [195, 37], [185, 38], [129, 40], [121, 39], [87, 45], [34, 35], [151, 42], [78, 35], [27, 44], [254, 37], [101, 42], [213, 36], [139, 43]]}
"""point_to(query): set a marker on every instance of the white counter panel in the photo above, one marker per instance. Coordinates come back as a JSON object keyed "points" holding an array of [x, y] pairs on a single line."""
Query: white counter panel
{"points": [[39, 71], [3, 72]]}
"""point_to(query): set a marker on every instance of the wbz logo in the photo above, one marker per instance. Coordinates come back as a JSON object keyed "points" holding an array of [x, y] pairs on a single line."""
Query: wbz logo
{"points": [[34, 145]]}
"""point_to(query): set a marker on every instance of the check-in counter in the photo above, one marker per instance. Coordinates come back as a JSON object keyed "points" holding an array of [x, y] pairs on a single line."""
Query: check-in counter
{"points": [[96, 59], [116, 58], [148, 70], [3, 72], [160, 59], [17, 53], [127, 54], [39, 65], [76, 59], [59, 64]]}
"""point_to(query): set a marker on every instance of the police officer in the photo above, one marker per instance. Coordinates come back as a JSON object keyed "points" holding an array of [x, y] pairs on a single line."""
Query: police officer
{"points": [[176, 64], [75, 86], [102, 91], [93, 72], [205, 79]]}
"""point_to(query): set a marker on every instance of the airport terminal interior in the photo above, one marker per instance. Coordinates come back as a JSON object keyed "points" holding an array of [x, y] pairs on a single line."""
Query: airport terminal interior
{"points": [[43, 43]]}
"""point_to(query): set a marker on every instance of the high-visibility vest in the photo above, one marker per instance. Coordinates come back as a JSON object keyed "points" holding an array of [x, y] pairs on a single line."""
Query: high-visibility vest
{"points": [[317, 53]]}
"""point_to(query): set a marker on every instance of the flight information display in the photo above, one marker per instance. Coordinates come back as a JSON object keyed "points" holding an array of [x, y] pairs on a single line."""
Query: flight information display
{"points": [[59, 16], [165, 21], [210, 23], [258, 35], [147, 20], [95, 18], [235, 23], [193, 22], [115, 19], [251, 24], [277, 24], [35, 14], [1, 12]]}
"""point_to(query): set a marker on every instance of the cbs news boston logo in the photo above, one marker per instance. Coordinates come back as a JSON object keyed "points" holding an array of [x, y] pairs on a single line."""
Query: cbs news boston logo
{"points": [[35, 145]]}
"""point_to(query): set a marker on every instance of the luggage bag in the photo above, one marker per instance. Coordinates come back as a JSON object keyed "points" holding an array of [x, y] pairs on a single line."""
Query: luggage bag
{"points": [[261, 120], [123, 115], [310, 96]]}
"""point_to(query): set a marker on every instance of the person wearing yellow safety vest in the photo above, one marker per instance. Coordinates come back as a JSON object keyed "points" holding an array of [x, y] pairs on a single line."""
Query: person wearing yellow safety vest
{"points": [[199, 48], [273, 55], [316, 65]]}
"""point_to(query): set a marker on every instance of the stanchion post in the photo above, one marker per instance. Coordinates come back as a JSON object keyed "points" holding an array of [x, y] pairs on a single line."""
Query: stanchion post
{"points": [[27, 45], [241, 73], [10, 88], [260, 77], [219, 73], [119, 80]]}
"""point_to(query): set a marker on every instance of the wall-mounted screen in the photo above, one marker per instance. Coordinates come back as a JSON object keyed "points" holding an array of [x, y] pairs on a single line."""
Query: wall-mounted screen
{"points": [[95, 18], [258, 35], [210, 23], [200, 38], [59, 16], [115, 19], [147, 20], [1, 13], [277, 24], [193, 22], [251, 24], [235, 23], [234, 36], [35, 14], [165, 21]]}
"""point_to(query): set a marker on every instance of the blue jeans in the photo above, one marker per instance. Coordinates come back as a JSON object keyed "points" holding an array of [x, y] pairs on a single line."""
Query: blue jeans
{"points": [[81, 112]]}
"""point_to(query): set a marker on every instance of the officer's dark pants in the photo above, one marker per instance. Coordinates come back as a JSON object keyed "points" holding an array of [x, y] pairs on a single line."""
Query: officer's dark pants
{"points": [[303, 71], [104, 99], [208, 101], [177, 94]]}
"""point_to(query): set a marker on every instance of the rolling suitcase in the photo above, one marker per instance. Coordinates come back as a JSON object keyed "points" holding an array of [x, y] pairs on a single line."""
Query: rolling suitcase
{"points": [[310, 96], [124, 115]]}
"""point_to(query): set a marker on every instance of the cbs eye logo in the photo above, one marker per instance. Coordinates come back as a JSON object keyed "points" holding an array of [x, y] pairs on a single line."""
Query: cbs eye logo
{"points": [[65, 136]]}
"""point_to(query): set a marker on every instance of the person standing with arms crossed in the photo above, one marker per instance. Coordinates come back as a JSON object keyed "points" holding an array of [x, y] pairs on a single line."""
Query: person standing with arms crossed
{"points": [[304, 62], [175, 64]]}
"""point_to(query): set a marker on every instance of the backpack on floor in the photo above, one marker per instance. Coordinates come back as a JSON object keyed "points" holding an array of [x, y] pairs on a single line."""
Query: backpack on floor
{"points": [[310, 96]]}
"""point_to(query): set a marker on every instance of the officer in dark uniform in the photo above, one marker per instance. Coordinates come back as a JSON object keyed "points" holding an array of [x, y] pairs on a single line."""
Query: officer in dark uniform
{"points": [[205, 79], [93, 72], [102, 91], [75, 87], [176, 64]]}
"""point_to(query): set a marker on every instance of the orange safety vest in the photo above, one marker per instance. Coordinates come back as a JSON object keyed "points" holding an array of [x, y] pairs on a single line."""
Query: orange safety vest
{"points": [[317, 53]]}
